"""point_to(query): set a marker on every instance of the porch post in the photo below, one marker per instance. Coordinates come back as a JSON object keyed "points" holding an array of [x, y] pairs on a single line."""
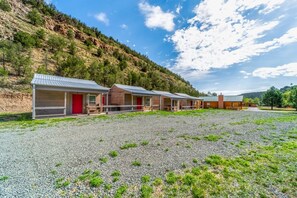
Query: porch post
{"points": [[170, 104], [160, 103], [142, 103], [151, 102], [33, 103], [107, 103], [65, 102], [132, 102], [101, 104]]}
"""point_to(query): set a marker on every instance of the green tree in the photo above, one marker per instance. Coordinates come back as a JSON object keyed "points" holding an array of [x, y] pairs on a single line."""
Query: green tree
{"points": [[56, 43], [96, 71], [272, 97], [40, 34], [74, 67], [35, 17], [70, 34], [99, 52], [25, 39], [293, 97], [5, 6], [72, 48]]}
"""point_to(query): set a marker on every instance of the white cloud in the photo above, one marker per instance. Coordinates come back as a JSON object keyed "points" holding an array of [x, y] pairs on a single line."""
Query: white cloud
{"points": [[102, 17], [272, 72], [178, 8], [220, 34], [246, 74], [124, 26], [156, 18]]}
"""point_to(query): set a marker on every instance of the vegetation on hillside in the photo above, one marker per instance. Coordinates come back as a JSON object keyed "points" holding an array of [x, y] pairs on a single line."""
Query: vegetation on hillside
{"points": [[73, 49]]}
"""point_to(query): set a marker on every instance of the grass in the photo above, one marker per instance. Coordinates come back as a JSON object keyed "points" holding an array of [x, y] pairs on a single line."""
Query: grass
{"points": [[103, 160], [121, 191], [116, 173], [4, 178], [61, 182], [287, 118], [136, 163], [113, 154], [58, 164], [96, 181], [128, 145], [277, 109], [144, 143], [145, 179], [146, 191], [212, 137]]}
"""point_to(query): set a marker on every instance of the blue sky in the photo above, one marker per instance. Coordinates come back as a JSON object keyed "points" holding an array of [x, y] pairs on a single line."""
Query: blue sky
{"points": [[223, 46]]}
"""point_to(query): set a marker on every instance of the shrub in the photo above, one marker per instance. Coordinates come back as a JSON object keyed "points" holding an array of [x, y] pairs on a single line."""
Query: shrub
{"points": [[40, 34], [56, 43], [171, 178], [35, 17], [70, 34], [157, 182], [116, 173], [25, 39], [72, 48], [5, 6], [120, 191], [99, 52]]}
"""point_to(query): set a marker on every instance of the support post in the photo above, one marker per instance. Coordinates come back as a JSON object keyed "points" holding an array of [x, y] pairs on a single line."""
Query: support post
{"points": [[132, 102], [160, 103], [151, 102], [142, 103], [107, 103], [65, 102], [33, 103], [101, 103], [170, 104]]}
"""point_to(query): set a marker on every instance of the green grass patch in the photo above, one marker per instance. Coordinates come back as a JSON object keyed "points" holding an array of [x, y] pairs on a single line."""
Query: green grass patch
{"points": [[103, 160], [4, 178], [116, 173], [121, 191], [212, 137], [113, 154], [136, 163], [128, 145], [96, 181], [145, 179], [146, 191], [144, 143]]}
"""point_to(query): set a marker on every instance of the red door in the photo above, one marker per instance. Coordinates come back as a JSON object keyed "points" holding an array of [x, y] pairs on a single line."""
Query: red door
{"points": [[77, 104], [103, 100], [139, 103]]}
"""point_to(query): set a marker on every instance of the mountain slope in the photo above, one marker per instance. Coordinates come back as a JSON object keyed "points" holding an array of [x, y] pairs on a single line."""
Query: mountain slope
{"points": [[36, 37]]}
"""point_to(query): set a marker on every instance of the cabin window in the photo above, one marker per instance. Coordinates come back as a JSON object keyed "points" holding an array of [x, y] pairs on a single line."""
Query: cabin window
{"points": [[92, 100], [147, 101]]}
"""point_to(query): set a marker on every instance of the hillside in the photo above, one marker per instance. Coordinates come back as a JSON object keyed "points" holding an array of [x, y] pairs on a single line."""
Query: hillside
{"points": [[253, 94], [35, 37]]}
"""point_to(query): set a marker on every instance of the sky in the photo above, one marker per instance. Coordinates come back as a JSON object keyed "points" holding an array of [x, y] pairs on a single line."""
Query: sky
{"points": [[222, 46]]}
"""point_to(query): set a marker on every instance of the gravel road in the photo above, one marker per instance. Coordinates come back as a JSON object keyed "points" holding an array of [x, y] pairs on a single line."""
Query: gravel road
{"points": [[33, 159]]}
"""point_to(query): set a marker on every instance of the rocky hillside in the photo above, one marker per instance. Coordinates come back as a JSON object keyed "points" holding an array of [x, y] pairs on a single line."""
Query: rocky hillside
{"points": [[35, 37]]}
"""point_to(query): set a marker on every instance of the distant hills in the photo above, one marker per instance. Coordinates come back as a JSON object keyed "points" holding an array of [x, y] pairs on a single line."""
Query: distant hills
{"points": [[260, 93]]}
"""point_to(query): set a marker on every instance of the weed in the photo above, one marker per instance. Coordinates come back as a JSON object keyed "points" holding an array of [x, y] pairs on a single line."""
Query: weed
{"points": [[128, 145], [4, 178], [113, 154], [61, 182], [212, 137], [136, 163], [116, 173], [157, 182], [107, 186], [145, 179], [171, 178], [171, 130], [120, 191], [54, 172], [167, 149], [96, 182], [58, 164], [103, 160], [184, 165], [195, 161], [115, 179], [146, 191], [144, 143]]}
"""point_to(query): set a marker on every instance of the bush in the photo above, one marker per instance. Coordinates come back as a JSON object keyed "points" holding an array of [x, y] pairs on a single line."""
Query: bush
{"points": [[25, 39], [40, 34], [35, 17], [72, 48], [56, 43], [5, 6], [70, 34], [99, 52]]}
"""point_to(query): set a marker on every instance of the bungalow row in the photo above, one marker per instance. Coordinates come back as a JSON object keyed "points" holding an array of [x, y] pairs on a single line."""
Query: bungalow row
{"points": [[222, 102], [60, 96]]}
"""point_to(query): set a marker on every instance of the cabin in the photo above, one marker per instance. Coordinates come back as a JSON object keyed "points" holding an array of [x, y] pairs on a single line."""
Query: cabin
{"points": [[222, 102], [60, 96], [130, 98], [189, 102], [167, 101]]}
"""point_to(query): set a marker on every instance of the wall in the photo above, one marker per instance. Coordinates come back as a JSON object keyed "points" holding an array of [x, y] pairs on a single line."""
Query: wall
{"points": [[117, 96]]}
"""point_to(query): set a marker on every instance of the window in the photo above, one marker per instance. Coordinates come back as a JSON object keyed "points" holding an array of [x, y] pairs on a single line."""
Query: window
{"points": [[147, 101], [92, 100]]}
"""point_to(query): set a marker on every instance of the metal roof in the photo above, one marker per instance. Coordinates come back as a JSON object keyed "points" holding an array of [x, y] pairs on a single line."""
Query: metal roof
{"points": [[63, 82], [168, 95], [187, 96], [226, 98], [136, 90]]}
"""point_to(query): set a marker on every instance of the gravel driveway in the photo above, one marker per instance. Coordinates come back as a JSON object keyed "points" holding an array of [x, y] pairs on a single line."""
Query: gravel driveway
{"points": [[34, 159]]}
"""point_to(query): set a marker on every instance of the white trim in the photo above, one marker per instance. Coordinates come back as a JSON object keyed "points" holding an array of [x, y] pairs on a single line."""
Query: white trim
{"points": [[33, 103]]}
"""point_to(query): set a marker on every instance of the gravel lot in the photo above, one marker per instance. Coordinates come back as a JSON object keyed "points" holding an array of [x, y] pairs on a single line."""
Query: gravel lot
{"points": [[31, 157]]}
